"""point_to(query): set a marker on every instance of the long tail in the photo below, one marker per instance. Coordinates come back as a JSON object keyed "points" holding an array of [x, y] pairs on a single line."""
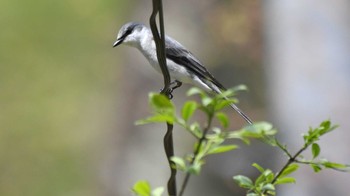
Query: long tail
{"points": [[239, 111]]}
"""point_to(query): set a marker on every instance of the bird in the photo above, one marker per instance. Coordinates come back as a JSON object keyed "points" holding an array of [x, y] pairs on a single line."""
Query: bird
{"points": [[182, 65]]}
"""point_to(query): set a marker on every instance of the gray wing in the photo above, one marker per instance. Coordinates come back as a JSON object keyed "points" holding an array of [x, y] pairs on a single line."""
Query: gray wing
{"points": [[180, 55]]}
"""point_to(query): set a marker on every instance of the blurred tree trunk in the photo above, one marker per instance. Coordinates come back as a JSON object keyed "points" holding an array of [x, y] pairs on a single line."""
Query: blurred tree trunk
{"points": [[308, 71]]}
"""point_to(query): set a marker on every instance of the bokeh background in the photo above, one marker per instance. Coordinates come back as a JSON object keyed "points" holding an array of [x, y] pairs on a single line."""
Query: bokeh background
{"points": [[68, 100]]}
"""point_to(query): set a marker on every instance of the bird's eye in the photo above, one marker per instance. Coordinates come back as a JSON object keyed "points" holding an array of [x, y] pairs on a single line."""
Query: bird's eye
{"points": [[128, 31]]}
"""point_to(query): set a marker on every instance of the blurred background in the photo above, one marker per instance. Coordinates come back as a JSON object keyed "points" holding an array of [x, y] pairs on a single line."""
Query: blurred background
{"points": [[68, 100]]}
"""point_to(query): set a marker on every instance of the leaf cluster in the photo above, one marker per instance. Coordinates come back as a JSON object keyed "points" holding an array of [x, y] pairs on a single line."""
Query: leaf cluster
{"points": [[210, 140], [266, 181], [213, 140]]}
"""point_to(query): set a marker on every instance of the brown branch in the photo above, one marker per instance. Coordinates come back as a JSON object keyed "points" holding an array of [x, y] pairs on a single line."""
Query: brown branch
{"points": [[160, 42], [160, 46], [169, 151]]}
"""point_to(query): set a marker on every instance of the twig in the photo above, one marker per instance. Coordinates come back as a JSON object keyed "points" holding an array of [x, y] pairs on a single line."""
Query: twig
{"points": [[313, 163], [291, 160], [201, 140], [283, 148]]}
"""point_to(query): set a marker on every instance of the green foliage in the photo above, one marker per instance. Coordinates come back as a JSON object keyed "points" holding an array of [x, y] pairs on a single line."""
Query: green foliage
{"points": [[315, 150], [267, 180], [164, 110], [244, 181], [212, 140], [188, 110], [310, 139], [318, 165], [143, 188], [262, 183], [259, 130], [314, 135], [289, 169], [222, 117]]}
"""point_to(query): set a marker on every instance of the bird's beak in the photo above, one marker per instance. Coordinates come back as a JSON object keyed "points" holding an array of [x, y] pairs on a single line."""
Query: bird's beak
{"points": [[119, 41]]}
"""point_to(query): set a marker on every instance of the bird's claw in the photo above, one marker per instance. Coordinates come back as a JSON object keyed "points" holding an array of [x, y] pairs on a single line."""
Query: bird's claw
{"points": [[168, 92], [177, 84], [171, 88]]}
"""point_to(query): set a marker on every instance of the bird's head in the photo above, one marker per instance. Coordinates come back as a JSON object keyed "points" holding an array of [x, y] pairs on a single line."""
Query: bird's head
{"points": [[130, 34]]}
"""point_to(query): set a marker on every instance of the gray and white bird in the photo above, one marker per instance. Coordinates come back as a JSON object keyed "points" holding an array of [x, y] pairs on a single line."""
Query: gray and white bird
{"points": [[183, 66]]}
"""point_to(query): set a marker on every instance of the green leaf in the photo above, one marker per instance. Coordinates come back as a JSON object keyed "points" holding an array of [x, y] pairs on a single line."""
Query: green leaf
{"points": [[195, 130], [224, 103], [243, 181], [258, 130], [222, 149], [188, 109], [268, 187], [142, 188], [326, 127], [194, 91], [290, 169], [269, 175], [285, 180], [258, 167], [206, 101], [232, 91], [181, 122], [226, 94], [195, 168], [325, 124], [315, 150], [260, 179], [179, 162], [222, 117], [252, 194], [156, 119], [265, 126], [316, 167], [237, 135], [159, 101], [158, 191], [164, 110], [337, 166], [216, 130], [314, 134], [240, 87]]}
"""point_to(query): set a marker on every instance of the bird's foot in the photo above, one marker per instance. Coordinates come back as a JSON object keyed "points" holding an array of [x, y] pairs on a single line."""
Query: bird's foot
{"points": [[173, 85], [176, 84]]}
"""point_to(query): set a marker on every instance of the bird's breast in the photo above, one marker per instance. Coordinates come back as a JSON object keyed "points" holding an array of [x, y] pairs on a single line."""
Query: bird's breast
{"points": [[148, 49]]}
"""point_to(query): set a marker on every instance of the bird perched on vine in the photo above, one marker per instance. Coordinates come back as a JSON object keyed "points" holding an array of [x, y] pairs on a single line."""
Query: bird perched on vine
{"points": [[182, 65]]}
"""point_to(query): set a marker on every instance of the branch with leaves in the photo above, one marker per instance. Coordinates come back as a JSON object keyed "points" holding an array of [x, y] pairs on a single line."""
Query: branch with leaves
{"points": [[266, 181], [210, 140]]}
